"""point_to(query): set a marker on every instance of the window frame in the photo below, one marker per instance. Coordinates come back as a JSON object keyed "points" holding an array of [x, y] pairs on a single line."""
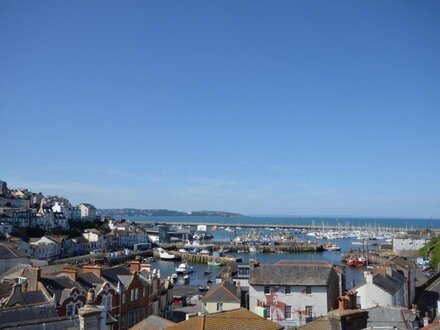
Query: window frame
{"points": [[287, 289], [268, 289], [288, 312]]}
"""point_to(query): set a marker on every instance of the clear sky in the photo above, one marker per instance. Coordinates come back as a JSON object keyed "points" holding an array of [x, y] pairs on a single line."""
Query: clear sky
{"points": [[261, 107]]}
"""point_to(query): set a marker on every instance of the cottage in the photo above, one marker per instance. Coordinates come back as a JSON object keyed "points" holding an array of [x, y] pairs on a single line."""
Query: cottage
{"points": [[292, 292]]}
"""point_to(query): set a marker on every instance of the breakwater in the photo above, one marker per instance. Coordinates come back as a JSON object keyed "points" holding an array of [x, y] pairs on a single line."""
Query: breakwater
{"points": [[290, 247], [197, 258], [313, 227]]}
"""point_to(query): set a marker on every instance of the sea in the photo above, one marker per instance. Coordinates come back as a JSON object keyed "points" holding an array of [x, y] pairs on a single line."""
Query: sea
{"points": [[353, 275]]}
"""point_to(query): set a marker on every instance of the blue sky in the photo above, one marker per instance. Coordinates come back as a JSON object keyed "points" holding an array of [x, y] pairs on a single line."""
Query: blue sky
{"points": [[259, 107]]}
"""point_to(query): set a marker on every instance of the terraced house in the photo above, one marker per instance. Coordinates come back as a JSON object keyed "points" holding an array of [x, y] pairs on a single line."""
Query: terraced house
{"points": [[292, 292]]}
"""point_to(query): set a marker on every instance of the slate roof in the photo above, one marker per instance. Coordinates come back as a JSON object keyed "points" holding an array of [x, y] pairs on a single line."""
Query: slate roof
{"points": [[383, 316], [8, 252], [389, 284], [116, 274], [65, 322], [57, 284], [27, 313], [238, 319], [14, 272], [34, 297], [224, 292], [153, 322], [89, 280], [292, 272]]}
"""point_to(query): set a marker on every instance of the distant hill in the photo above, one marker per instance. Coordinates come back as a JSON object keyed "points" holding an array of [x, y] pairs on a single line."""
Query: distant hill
{"points": [[118, 213]]}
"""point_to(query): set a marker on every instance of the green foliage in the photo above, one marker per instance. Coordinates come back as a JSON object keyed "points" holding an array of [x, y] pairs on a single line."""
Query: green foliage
{"points": [[78, 227], [432, 249]]}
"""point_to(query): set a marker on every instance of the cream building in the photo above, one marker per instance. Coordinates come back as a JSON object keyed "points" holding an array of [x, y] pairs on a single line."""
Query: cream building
{"points": [[224, 296]]}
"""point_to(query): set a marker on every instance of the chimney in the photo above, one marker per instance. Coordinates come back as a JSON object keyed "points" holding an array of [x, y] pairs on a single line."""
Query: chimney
{"points": [[92, 316], [341, 301], [368, 277], [426, 319], [135, 266], [389, 271], [34, 278], [146, 266], [352, 295], [95, 269], [71, 272], [90, 297]]}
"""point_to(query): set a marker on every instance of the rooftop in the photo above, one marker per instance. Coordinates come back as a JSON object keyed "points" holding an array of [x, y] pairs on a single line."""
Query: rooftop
{"points": [[238, 319], [291, 272], [224, 292], [153, 322]]}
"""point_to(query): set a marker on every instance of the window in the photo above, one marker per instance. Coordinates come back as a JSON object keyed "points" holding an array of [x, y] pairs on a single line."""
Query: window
{"points": [[287, 289], [266, 290], [136, 294], [219, 307], [308, 290], [123, 298], [108, 301], [145, 292], [70, 309], [309, 310], [132, 294], [288, 312], [267, 312]]}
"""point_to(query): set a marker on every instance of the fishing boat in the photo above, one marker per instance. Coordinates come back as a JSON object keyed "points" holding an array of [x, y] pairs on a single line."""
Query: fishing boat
{"points": [[252, 249], [207, 272], [204, 288], [182, 251], [164, 255], [331, 247], [174, 277], [186, 278], [149, 259], [184, 268], [357, 262], [215, 263]]}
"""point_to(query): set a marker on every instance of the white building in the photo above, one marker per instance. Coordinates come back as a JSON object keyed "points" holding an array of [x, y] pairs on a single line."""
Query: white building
{"points": [[385, 287], [96, 239], [87, 211], [45, 248], [224, 296], [293, 291], [61, 208], [403, 245]]}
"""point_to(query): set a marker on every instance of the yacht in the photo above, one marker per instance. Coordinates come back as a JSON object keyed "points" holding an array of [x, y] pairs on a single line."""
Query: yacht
{"points": [[184, 269], [164, 255]]}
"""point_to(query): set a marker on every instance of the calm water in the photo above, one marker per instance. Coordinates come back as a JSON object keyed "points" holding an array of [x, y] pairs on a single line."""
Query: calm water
{"points": [[353, 275], [308, 221]]}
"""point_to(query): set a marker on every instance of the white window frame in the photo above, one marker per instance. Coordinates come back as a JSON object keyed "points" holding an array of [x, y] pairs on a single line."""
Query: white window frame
{"points": [[268, 289]]}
